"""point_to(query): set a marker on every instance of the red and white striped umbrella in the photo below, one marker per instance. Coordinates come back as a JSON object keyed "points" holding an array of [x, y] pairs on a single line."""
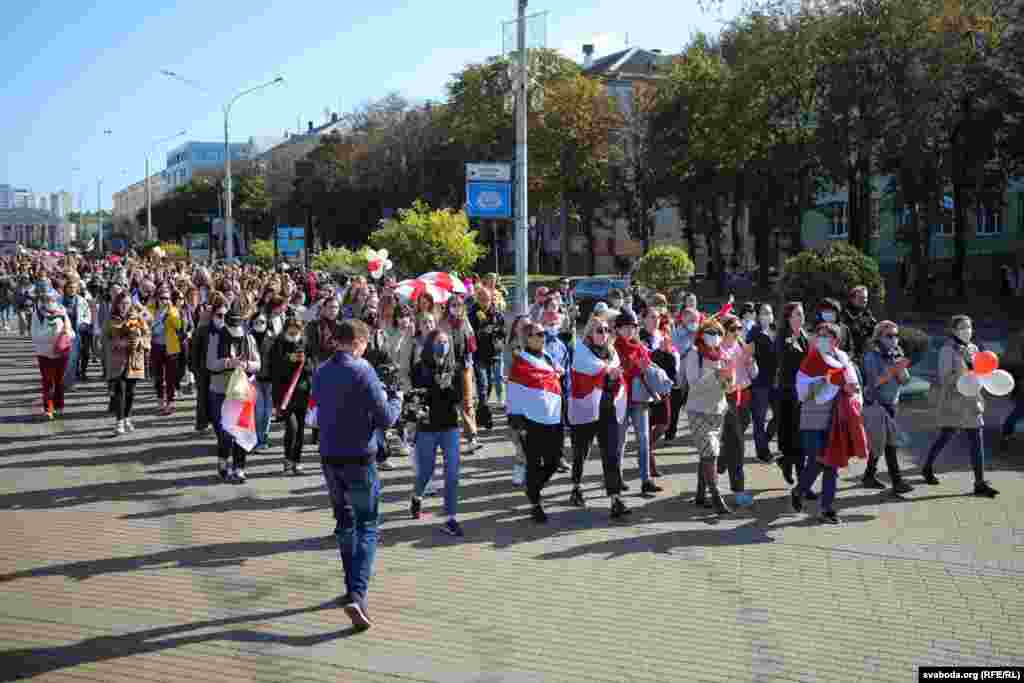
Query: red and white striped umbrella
{"points": [[445, 281], [410, 290]]}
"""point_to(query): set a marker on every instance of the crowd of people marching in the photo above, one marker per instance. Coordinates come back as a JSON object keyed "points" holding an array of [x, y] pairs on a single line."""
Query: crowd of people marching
{"points": [[824, 382]]}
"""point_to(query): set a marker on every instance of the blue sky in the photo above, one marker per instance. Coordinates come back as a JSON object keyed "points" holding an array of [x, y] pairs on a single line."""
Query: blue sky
{"points": [[79, 67]]}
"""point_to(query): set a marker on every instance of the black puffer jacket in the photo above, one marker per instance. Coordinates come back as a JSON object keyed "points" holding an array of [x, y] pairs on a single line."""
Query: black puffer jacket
{"points": [[790, 351], [442, 402]]}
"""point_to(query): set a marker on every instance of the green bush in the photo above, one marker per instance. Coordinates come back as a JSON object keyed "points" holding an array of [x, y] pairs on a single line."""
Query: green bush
{"points": [[664, 269], [914, 343], [812, 275], [422, 239], [261, 253], [341, 260]]}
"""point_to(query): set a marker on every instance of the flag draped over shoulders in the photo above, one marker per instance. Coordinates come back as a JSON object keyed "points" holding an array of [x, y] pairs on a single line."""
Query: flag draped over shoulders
{"points": [[588, 387], [534, 389]]}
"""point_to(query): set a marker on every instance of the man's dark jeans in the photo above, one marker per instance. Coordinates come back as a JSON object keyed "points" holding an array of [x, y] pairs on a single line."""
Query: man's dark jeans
{"points": [[355, 497], [484, 373]]}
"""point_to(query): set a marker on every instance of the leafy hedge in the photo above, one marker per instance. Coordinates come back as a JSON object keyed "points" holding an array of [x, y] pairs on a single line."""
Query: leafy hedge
{"points": [[833, 271], [664, 269]]}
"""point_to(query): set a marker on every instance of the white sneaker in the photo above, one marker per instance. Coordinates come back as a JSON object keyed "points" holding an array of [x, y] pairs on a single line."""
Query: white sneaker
{"points": [[472, 445], [297, 469], [239, 475], [430, 489], [223, 469], [287, 466], [404, 450], [518, 474], [128, 424], [118, 427]]}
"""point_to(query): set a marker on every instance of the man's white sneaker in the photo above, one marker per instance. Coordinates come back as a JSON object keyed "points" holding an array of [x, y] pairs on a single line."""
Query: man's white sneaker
{"points": [[518, 474], [240, 475], [128, 424], [118, 427], [297, 469]]}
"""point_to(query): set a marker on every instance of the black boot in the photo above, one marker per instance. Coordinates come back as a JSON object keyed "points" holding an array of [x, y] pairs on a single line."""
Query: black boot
{"points": [[786, 465], [870, 479], [983, 490], [619, 508], [712, 483], [701, 499], [892, 464], [576, 497], [928, 473]]}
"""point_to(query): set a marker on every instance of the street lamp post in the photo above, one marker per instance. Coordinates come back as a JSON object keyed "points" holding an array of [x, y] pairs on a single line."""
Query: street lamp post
{"points": [[149, 200], [522, 229], [229, 222], [229, 251]]}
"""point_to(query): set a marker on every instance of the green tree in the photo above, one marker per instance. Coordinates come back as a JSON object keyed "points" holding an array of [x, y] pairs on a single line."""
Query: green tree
{"points": [[421, 239], [811, 275], [262, 252], [664, 269]]}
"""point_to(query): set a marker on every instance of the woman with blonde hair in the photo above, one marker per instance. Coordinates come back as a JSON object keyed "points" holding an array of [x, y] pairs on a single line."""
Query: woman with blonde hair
{"points": [[710, 378], [597, 408], [885, 373]]}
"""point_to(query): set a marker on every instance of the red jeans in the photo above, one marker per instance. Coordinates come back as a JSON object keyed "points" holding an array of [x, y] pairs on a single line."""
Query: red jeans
{"points": [[52, 372], [165, 372]]}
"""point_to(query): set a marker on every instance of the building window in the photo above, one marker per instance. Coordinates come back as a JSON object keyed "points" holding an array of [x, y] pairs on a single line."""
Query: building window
{"points": [[989, 222], [839, 227]]}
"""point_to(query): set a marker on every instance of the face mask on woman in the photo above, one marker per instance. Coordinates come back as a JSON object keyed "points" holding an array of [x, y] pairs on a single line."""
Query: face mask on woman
{"points": [[441, 349], [828, 316], [712, 340], [692, 327], [292, 337], [824, 345], [259, 326]]}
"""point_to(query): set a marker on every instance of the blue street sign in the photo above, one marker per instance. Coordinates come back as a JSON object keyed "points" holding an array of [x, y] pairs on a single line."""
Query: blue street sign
{"points": [[488, 200], [290, 241]]}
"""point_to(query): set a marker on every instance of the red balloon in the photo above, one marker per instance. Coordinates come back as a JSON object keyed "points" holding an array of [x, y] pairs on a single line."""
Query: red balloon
{"points": [[986, 362]]}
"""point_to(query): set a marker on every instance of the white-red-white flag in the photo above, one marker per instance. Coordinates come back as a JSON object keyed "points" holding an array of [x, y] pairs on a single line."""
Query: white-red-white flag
{"points": [[587, 387], [534, 390]]}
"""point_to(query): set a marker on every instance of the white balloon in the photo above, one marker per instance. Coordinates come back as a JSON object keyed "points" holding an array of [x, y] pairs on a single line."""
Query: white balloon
{"points": [[969, 385], [998, 383], [382, 254], [387, 264]]}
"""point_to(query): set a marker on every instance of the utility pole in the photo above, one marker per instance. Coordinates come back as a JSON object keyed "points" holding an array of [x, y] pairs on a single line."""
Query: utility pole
{"points": [[99, 219], [521, 205]]}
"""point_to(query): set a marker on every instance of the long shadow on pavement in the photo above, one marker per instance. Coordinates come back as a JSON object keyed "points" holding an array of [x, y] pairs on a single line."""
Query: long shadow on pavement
{"points": [[26, 662]]}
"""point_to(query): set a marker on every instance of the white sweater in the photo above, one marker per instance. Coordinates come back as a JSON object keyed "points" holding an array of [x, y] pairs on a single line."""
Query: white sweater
{"points": [[44, 333]]}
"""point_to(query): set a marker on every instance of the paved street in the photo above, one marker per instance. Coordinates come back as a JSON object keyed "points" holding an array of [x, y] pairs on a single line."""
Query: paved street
{"points": [[124, 559]]}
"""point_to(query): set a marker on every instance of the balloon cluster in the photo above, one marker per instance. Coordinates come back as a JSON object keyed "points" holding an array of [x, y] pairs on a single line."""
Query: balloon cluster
{"points": [[378, 263], [985, 375]]}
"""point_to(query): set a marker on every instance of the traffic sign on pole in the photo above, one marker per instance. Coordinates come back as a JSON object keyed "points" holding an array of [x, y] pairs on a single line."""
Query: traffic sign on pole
{"points": [[488, 200]]}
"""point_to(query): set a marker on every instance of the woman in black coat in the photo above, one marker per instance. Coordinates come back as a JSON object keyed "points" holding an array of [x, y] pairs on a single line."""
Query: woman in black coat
{"points": [[288, 354], [791, 344]]}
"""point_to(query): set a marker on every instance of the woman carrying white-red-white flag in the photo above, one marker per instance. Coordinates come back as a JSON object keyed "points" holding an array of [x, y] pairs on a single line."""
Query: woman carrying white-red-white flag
{"points": [[535, 411], [597, 408]]}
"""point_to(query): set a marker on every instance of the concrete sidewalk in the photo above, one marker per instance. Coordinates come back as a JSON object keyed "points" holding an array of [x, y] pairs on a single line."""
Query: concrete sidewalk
{"points": [[124, 559]]}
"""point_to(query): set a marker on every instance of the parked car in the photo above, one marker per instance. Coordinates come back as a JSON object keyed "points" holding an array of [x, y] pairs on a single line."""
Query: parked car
{"points": [[589, 290]]}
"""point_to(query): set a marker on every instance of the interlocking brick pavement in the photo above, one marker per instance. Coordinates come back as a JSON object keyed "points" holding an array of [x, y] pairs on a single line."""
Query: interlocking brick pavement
{"points": [[123, 559]]}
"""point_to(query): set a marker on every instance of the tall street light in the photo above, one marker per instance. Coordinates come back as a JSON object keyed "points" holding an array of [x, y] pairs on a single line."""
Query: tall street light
{"points": [[99, 207], [149, 199], [229, 223]]}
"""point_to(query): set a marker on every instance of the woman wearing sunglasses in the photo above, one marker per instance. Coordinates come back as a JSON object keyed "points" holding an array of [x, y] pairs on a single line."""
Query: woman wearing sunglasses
{"points": [[597, 408], [885, 373], [535, 411]]}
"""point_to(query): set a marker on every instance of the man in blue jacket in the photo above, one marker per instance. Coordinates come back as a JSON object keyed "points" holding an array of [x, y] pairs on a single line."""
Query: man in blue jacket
{"points": [[352, 410]]}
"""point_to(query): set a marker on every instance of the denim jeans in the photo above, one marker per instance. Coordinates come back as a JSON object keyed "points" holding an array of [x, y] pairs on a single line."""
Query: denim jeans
{"points": [[484, 374], [1016, 416], [498, 376], [812, 442], [977, 449], [6, 314], [264, 410], [639, 416], [355, 497], [427, 444], [71, 369], [761, 400]]}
